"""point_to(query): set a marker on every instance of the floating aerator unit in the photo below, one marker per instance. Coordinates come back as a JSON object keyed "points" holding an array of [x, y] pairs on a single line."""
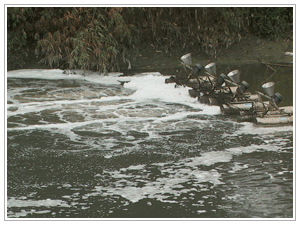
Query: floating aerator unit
{"points": [[187, 59], [269, 90], [232, 95], [220, 80], [277, 98], [234, 76], [211, 68], [243, 86], [197, 69]]}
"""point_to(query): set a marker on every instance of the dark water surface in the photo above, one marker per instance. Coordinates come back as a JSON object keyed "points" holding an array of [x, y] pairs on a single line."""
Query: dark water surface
{"points": [[87, 147]]}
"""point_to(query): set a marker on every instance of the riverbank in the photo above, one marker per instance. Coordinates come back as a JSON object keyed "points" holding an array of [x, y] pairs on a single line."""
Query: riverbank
{"points": [[249, 50]]}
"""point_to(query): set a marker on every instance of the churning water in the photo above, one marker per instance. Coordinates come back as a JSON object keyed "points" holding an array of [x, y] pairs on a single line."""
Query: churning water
{"points": [[87, 147]]}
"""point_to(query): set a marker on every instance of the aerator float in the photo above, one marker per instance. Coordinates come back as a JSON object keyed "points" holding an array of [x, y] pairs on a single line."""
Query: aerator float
{"points": [[232, 95]]}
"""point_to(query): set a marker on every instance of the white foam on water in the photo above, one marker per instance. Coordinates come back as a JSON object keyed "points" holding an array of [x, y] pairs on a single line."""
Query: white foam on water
{"points": [[24, 108], [210, 158], [250, 128], [15, 202], [161, 188], [178, 173], [252, 148], [237, 167], [57, 74], [154, 87], [150, 87]]}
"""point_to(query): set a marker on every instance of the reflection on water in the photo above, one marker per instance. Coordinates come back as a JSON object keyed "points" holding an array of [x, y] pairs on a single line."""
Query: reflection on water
{"points": [[87, 147]]}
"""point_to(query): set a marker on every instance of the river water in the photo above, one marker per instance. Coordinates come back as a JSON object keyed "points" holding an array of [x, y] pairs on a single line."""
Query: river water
{"points": [[88, 147]]}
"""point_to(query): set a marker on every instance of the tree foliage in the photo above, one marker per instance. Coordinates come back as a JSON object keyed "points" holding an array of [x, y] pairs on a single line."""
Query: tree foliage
{"points": [[271, 23], [18, 21], [86, 38], [99, 38]]}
